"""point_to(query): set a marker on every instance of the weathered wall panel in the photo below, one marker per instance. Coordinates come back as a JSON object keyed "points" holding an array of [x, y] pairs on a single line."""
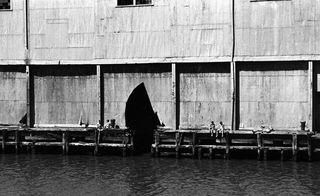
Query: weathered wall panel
{"points": [[204, 94], [12, 32], [63, 95], [120, 80], [277, 28], [274, 94], [12, 94], [61, 30]]}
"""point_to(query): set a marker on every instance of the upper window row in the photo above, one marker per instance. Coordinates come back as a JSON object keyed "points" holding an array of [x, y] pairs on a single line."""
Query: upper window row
{"points": [[134, 2], [5, 5]]}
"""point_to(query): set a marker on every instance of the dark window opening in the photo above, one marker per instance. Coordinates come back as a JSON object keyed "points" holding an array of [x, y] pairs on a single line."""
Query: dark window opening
{"points": [[5, 5], [134, 2]]}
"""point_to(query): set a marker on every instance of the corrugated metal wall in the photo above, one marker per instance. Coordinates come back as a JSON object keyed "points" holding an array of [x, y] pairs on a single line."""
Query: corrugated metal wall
{"points": [[12, 33], [120, 80], [277, 28], [274, 94], [12, 94], [63, 95], [205, 94]]}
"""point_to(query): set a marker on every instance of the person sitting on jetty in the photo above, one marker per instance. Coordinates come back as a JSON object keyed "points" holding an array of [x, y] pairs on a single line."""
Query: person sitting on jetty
{"points": [[221, 129], [212, 128]]}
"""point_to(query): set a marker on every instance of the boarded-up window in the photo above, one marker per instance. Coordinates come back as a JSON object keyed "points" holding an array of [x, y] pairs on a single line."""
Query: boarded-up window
{"points": [[134, 2], [5, 5]]}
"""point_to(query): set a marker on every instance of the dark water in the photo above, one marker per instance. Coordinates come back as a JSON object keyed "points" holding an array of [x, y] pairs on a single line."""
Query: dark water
{"points": [[112, 175]]}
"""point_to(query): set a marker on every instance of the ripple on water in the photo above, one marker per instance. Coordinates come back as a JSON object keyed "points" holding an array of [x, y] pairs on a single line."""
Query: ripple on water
{"points": [[143, 175]]}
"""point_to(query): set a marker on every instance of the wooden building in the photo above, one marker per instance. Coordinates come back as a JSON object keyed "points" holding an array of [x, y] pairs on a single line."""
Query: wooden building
{"points": [[246, 63]]}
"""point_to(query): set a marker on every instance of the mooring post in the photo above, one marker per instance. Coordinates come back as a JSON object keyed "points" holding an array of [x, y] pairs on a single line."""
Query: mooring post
{"points": [[294, 146], [228, 141], [259, 142], [4, 138], [17, 140], [310, 148]]}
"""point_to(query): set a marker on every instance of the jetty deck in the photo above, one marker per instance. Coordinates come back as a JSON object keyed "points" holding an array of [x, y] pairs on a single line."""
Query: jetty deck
{"points": [[200, 143], [27, 139]]}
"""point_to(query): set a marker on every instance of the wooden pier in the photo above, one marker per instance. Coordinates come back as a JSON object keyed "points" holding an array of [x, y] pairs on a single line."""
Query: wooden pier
{"points": [[200, 143], [27, 139]]}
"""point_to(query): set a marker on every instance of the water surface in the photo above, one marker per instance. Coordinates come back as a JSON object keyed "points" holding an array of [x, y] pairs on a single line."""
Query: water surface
{"points": [[39, 174]]}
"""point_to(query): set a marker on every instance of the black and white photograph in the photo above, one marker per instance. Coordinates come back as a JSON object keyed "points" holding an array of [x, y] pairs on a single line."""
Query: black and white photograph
{"points": [[160, 97]]}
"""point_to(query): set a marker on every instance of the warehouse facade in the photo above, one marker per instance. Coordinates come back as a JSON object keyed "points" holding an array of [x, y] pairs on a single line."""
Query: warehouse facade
{"points": [[246, 63]]}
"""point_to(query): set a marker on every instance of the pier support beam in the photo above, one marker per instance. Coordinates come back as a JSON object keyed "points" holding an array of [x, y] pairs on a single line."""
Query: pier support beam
{"points": [[194, 143], [30, 97], [174, 90], [178, 135], [97, 141]]}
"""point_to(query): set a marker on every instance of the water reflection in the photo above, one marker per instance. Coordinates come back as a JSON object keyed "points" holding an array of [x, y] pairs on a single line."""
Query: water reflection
{"points": [[88, 175]]}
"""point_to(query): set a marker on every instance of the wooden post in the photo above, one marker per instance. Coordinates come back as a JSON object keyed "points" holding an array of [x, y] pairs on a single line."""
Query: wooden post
{"points": [[97, 138], [17, 140], [194, 143], [211, 153], [4, 138], [294, 146], [228, 143], [178, 135], [265, 154], [174, 95], [282, 155], [65, 142], [310, 92], [310, 148], [157, 142], [199, 153], [259, 142]]}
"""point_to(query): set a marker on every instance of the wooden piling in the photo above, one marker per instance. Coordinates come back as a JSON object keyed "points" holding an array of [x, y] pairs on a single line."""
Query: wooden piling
{"points": [[294, 146], [282, 154], [210, 153], [97, 138], [265, 154], [177, 141], [194, 143], [310, 148], [259, 142], [199, 153], [4, 138], [65, 142], [228, 143], [157, 142], [17, 141]]}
